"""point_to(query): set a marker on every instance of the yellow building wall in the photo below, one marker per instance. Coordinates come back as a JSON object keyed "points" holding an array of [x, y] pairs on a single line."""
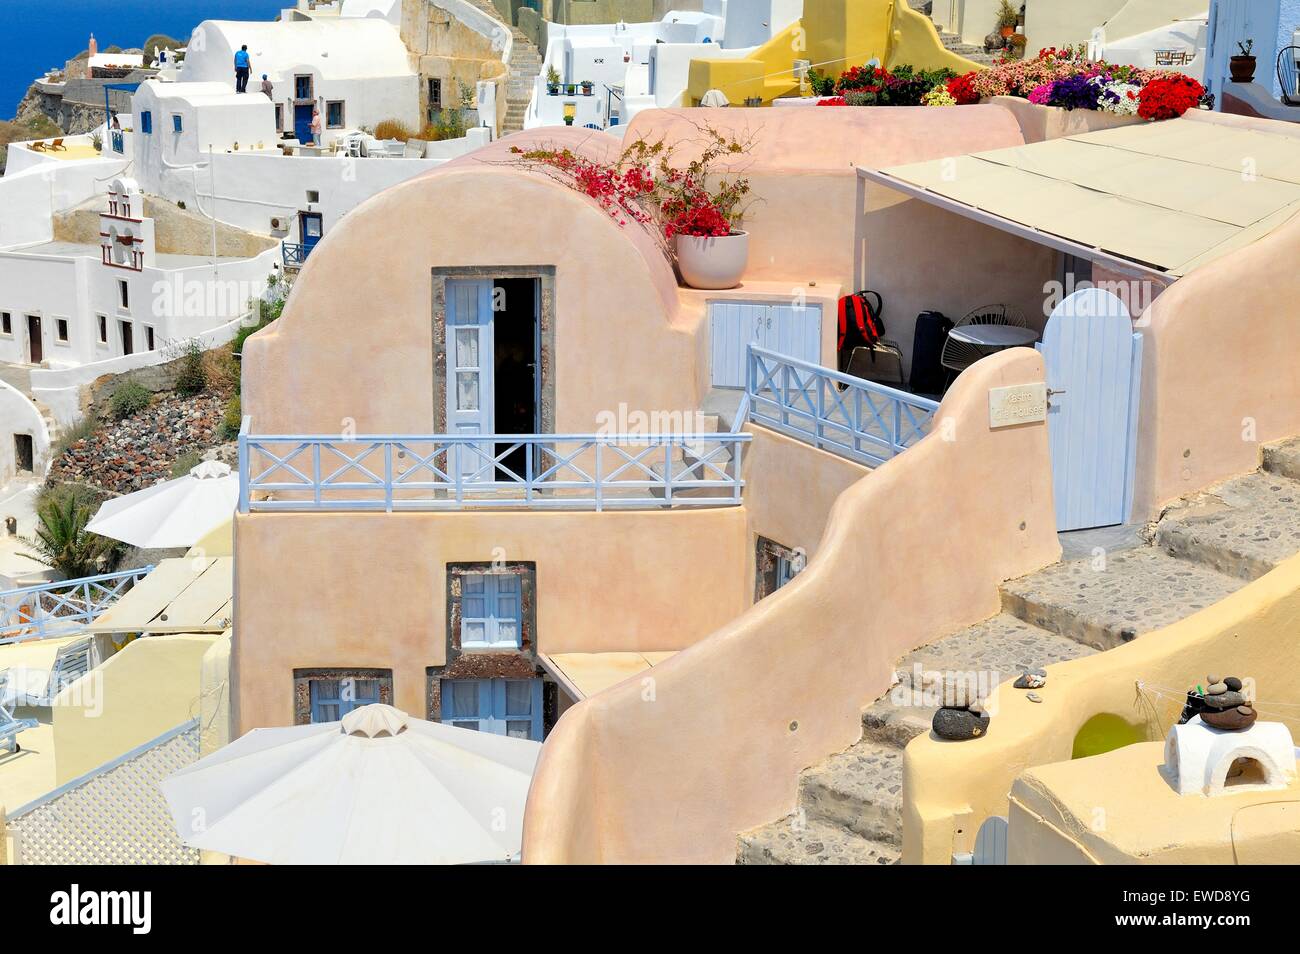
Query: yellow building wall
{"points": [[950, 788], [833, 35], [151, 686]]}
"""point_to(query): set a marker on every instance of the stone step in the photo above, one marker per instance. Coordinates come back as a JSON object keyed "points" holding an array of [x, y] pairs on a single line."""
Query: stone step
{"points": [[813, 843], [1106, 604], [859, 789], [996, 649], [889, 723], [1243, 527], [1283, 458]]}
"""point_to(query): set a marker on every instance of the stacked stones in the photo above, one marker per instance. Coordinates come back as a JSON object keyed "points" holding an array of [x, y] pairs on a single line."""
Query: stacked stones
{"points": [[962, 716], [1222, 706]]}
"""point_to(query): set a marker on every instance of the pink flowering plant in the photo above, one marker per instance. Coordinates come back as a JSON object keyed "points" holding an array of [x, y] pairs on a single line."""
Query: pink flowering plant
{"points": [[643, 184]]}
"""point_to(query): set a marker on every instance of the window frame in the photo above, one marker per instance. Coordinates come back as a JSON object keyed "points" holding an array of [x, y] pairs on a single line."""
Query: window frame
{"points": [[329, 106], [62, 331], [146, 122], [103, 328], [7, 324], [496, 588], [178, 124], [123, 295], [307, 701], [491, 713]]}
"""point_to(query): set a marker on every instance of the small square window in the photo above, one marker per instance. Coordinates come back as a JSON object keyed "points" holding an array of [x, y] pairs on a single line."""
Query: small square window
{"points": [[334, 114], [279, 117], [313, 196], [61, 329], [327, 695], [6, 323], [146, 122], [490, 608], [103, 329], [123, 294], [177, 125]]}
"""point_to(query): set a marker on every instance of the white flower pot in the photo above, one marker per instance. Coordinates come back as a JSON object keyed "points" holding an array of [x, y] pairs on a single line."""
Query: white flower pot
{"points": [[713, 262]]}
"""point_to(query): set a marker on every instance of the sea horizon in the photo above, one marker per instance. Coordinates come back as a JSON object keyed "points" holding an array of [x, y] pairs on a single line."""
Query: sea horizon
{"points": [[43, 35]]}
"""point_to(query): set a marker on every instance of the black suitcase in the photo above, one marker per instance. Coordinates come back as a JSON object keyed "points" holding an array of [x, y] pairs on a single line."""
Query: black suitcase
{"points": [[928, 375]]}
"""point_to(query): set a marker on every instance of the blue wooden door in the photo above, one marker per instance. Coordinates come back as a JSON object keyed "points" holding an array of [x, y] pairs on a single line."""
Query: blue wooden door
{"points": [[470, 364], [1094, 366], [311, 228], [302, 122], [792, 330]]}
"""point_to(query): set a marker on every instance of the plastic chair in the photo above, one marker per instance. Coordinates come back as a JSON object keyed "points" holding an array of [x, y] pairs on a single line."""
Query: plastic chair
{"points": [[958, 355]]}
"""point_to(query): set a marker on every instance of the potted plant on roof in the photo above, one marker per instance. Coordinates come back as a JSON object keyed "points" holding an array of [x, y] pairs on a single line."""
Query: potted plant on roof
{"points": [[1242, 65], [552, 81], [587, 87], [1008, 17]]}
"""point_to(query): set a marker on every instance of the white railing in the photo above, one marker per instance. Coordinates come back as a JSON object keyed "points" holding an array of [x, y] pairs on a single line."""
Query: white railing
{"points": [[488, 471], [61, 607], [846, 415]]}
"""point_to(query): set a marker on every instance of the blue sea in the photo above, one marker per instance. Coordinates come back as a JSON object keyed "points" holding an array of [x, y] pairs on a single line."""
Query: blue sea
{"points": [[36, 35]]}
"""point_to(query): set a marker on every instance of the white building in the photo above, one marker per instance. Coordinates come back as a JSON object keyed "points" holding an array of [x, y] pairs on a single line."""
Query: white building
{"points": [[635, 66], [355, 70]]}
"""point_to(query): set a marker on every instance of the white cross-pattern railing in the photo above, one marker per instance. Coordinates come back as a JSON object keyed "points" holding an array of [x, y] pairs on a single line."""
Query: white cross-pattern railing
{"points": [[61, 607], [399, 472], [858, 419]]}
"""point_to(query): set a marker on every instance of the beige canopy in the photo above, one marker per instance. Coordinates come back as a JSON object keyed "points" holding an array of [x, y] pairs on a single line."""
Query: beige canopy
{"points": [[1171, 195], [585, 674], [182, 595]]}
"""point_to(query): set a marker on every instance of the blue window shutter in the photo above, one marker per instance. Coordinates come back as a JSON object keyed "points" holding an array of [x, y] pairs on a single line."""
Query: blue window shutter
{"points": [[146, 121], [507, 610], [176, 122]]}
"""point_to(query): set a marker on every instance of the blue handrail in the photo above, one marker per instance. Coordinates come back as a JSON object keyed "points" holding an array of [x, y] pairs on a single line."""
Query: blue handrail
{"points": [[61, 607], [295, 253], [849, 416]]}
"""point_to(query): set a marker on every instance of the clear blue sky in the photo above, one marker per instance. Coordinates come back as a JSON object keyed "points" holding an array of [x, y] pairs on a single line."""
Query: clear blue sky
{"points": [[38, 34]]}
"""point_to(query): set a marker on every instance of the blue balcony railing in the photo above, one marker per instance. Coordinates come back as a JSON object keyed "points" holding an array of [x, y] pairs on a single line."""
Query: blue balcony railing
{"points": [[858, 419], [119, 145], [488, 471], [294, 253], [63, 607]]}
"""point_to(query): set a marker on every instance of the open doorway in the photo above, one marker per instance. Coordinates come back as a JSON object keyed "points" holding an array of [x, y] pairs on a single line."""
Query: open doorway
{"points": [[35, 343], [517, 347], [24, 454]]}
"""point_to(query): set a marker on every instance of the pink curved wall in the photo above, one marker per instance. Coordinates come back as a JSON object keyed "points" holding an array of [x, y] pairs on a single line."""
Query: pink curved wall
{"points": [[913, 551]]}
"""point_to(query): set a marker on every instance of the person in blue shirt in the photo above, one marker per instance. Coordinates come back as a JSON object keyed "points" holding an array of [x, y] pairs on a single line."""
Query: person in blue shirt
{"points": [[243, 67]]}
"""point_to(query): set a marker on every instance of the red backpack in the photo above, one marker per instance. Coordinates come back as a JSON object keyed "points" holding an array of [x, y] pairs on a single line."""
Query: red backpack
{"points": [[868, 320]]}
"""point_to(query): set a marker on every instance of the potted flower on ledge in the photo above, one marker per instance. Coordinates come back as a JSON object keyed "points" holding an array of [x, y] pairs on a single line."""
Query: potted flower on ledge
{"points": [[587, 87], [1242, 66]]}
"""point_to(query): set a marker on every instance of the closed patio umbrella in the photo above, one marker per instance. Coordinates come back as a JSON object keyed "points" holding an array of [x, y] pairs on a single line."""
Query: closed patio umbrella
{"points": [[378, 787], [175, 513], [715, 98]]}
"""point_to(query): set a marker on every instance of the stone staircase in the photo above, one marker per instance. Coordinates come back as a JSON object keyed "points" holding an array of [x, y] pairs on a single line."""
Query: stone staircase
{"points": [[952, 41], [525, 64], [1200, 550]]}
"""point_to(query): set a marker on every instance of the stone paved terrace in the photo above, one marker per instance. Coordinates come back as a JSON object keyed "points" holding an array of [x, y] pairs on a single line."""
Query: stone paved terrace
{"points": [[1201, 549]]}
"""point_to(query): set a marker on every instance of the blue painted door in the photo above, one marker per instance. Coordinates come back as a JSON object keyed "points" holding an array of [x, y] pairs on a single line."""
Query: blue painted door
{"points": [[793, 331], [302, 122], [1094, 365], [470, 386], [310, 228], [510, 707], [489, 611]]}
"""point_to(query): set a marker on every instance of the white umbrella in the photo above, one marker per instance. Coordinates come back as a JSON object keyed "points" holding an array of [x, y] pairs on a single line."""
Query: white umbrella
{"points": [[174, 513], [377, 788]]}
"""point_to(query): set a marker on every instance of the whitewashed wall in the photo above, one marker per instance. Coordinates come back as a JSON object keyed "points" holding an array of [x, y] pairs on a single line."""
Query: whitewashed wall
{"points": [[18, 415]]}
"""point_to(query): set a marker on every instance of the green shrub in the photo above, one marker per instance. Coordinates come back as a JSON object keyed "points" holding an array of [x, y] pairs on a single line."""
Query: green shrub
{"points": [[70, 435], [231, 419], [128, 398], [191, 375], [186, 463]]}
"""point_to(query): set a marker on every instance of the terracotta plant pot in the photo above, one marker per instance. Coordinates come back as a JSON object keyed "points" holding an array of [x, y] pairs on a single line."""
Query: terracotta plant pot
{"points": [[713, 263], [1007, 31], [1242, 68]]}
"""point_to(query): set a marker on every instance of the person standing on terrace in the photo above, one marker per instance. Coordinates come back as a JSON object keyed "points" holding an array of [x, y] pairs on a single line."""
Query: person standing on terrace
{"points": [[243, 67]]}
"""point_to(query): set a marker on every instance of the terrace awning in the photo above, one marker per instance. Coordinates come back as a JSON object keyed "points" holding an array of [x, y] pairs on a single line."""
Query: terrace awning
{"points": [[585, 674], [1169, 196], [182, 595]]}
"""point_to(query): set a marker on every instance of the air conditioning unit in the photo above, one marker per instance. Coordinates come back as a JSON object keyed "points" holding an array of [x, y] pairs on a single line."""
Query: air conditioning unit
{"points": [[279, 223]]}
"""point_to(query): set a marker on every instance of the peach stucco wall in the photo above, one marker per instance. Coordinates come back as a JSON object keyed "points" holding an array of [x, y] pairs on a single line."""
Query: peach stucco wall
{"points": [[802, 169], [1221, 369], [369, 590], [913, 551]]}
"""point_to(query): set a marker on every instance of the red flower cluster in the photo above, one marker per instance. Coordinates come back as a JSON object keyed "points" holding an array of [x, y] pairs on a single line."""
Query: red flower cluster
{"points": [[693, 213], [865, 79], [962, 89], [832, 101], [1169, 97]]}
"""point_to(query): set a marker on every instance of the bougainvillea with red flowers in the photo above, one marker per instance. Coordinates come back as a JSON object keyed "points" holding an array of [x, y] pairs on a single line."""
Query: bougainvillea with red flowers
{"points": [[962, 89], [1169, 97], [644, 186]]}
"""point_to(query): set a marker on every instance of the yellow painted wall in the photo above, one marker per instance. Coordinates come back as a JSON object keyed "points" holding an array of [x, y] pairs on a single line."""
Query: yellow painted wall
{"points": [[151, 686], [833, 35], [951, 787]]}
